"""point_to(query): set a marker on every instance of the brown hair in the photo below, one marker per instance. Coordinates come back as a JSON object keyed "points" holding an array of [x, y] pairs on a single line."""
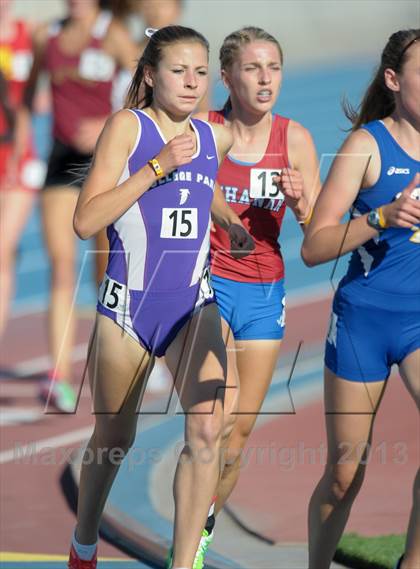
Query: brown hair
{"points": [[378, 101], [139, 94], [235, 41]]}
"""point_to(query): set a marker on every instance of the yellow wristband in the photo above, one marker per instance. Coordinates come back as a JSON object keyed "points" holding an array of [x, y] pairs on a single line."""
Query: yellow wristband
{"points": [[157, 168], [382, 220], [308, 218]]}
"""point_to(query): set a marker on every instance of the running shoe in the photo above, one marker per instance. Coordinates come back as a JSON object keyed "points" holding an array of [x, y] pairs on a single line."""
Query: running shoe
{"points": [[76, 563], [203, 546], [59, 394]]}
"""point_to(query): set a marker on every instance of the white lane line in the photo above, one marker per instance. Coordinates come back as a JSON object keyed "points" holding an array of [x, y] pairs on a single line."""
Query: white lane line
{"points": [[19, 415], [43, 363], [28, 450], [19, 452]]}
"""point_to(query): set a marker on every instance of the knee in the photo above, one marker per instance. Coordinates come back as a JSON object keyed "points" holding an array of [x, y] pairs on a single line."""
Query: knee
{"points": [[345, 481], [205, 430], [112, 446], [241, 431]]}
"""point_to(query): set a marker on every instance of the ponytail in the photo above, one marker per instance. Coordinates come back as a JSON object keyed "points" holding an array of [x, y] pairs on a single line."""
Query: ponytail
{"points": [[378, 101]]}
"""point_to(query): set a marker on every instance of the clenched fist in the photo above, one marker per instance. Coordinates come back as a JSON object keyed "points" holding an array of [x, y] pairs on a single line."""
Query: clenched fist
{"points": [[176, 152], [241, 242]]}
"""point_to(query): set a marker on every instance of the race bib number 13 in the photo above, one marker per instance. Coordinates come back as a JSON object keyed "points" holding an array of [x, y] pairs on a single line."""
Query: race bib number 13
{"points": [[262, 185], [179, 223]]}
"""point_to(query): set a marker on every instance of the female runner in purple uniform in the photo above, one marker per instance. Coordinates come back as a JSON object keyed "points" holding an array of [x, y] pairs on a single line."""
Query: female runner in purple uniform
{"points": [[152, 185]]}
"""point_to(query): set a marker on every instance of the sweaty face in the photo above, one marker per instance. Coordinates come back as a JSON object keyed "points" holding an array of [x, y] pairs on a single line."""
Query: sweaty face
{"points": [[409, 80], [181, 79], [254, 78]]}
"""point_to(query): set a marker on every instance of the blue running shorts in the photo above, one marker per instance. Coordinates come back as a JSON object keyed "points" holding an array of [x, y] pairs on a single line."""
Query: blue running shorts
{"points": [[370, 331], [254, 311]]}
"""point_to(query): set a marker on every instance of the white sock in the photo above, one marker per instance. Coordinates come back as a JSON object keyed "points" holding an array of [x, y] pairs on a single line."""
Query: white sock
{"points": [[85, 552]]}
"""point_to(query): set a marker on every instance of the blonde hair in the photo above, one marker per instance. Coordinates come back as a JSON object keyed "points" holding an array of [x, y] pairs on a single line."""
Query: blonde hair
{"points": [[233, 43]]}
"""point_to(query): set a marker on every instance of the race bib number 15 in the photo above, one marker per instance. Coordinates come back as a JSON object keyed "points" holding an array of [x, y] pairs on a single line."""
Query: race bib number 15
{"points": [[262, 185], [179, 223]]}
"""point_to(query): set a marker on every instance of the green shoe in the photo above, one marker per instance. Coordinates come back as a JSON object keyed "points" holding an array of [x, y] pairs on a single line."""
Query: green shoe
{"points": [[59, 394], [203, 546], [205, 541]]}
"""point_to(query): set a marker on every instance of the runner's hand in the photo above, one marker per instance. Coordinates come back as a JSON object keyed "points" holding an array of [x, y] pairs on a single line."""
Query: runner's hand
{"points": [[404, 211], [290, 182], [241, 242], [176, 152]]}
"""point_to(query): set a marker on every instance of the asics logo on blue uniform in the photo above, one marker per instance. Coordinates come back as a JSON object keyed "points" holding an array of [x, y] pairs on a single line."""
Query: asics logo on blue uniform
{"points": [[184, 194], [394, 170]]}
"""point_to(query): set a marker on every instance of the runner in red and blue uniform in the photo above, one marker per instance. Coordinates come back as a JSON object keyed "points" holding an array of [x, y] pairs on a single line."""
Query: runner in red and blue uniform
{"points": [[272, 164]]}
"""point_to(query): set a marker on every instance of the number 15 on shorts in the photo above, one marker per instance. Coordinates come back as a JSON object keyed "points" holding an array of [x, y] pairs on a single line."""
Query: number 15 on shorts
{"points": [[262, 186]]}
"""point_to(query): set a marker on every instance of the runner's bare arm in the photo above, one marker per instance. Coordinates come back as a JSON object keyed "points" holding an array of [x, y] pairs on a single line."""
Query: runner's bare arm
{"points": [[303, 159], [221, 213], [102, 200], [326, 237]]}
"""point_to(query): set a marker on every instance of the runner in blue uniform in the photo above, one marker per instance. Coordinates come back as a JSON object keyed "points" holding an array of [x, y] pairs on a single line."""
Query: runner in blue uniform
{"points": [[375, 320]]}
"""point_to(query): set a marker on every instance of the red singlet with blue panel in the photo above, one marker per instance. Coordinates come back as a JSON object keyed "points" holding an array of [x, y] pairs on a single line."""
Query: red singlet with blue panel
{"points": [[250, 192]]}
